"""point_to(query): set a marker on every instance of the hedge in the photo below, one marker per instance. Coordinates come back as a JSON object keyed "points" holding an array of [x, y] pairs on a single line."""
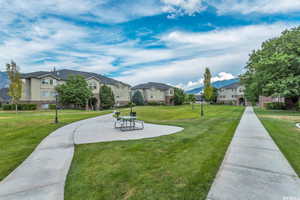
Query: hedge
{"points": [[154, 103], [52, 106], [275, 106], [20, 107]]}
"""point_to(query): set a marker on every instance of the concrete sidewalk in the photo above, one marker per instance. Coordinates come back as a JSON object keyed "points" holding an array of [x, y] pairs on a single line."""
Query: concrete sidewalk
{"points": [[43, 174], [254, 168]]}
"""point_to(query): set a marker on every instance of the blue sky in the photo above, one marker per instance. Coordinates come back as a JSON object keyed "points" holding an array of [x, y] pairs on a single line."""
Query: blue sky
{"points": [[136, 41]]}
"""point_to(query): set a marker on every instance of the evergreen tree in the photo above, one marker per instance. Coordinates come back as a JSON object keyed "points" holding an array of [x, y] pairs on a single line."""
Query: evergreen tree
{"points": [[138, 98], [107, 99]]}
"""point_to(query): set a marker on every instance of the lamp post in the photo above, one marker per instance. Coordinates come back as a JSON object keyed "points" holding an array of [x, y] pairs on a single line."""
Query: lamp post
{"points": [[56, 113]]}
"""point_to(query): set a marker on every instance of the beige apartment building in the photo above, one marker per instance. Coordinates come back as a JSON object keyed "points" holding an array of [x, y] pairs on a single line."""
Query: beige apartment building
{"points": [[232, 94], [155, 92], [39, 87]]}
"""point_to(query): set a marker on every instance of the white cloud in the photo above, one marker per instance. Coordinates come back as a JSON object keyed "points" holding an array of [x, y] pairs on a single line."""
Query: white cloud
{"points": [[221, 50], [182, 7], [256, 6], [91, 10]]}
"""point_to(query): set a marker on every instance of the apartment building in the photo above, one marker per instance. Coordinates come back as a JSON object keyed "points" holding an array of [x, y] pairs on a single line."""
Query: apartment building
{"points": [[232, 94], [155, 92], [39, 87]]}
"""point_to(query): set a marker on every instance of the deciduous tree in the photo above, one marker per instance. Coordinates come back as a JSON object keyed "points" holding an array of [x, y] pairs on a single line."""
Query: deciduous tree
{"points": [[15, 86], [179, 96], [75, 91], [208, 89], [274, 69]]}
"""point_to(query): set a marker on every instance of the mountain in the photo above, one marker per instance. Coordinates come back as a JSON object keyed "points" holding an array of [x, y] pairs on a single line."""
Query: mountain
{"points": [[217, 84], [3, 80]]}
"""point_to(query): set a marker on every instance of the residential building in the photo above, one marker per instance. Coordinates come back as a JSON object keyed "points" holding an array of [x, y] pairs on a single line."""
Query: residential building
{"points": [[232, 94], [155, 92], [263, 100], [4, 98], [39, 87]]}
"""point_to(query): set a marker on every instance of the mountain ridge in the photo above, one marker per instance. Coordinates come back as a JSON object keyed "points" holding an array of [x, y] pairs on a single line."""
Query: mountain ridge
{"points": [[217, 84], [3, 80]]}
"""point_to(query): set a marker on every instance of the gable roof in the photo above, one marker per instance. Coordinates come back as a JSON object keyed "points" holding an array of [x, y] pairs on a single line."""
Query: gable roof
{"points": [[4, 95], [232, 86], [65, 73], [149, 85]]}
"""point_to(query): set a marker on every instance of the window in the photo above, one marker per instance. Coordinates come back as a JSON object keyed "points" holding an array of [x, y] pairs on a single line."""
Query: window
{"points": [[171, 91], [45, 94], [151, 97], [51, 81], [93, 85], [45, 81]]}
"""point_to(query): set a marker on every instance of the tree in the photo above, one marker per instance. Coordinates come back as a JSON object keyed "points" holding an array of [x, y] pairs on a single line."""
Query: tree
{"points": [[75, 91], [179, 96], [208, 89], [15, 86], [192, 99], [107, 98], [274, 69], [214, 96], [138, 98]]}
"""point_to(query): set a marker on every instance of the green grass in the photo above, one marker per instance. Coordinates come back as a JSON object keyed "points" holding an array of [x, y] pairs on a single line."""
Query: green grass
{"points": [[180, 166], [21, 133], [281, 126]]}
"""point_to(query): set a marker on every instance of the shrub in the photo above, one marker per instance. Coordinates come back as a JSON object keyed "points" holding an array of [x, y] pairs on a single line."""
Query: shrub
{"points": [[155, 103], [275, 105], [20, 107], [52, 106]]}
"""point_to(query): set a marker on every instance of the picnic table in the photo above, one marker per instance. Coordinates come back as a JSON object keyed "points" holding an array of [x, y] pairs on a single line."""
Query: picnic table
{"points": [[129, 123]]}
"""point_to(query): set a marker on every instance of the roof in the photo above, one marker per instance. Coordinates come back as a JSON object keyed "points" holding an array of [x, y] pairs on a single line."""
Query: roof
{"points": [[4, 95], [231, 86], [65, 73], [149, 85]]}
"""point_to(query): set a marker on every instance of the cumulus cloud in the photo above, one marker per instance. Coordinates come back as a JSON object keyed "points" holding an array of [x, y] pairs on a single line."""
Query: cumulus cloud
{"points": [[182, 7], [194, 84], [256, 6], [221, 50]]}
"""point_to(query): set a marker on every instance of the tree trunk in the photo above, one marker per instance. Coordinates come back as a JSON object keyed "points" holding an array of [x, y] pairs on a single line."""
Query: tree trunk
{"points": [[16, 108]]}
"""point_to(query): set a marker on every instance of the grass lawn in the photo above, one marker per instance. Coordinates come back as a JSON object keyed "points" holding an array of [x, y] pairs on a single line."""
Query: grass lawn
{"points": [[21, 133], [281, 126], [179, 166]]}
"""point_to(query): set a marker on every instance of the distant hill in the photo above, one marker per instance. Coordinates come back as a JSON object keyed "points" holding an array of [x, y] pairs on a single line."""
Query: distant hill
{"points": [[217, 84], [3, 80]]}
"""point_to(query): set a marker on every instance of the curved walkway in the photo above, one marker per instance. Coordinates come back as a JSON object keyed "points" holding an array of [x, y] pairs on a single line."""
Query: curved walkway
{"points": [[254, 167], [43, 174]]}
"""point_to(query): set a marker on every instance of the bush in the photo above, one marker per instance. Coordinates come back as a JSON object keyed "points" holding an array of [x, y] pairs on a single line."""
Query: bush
{"points": [[52, 106], [155, 103], [20, 107], [275, 106]]}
